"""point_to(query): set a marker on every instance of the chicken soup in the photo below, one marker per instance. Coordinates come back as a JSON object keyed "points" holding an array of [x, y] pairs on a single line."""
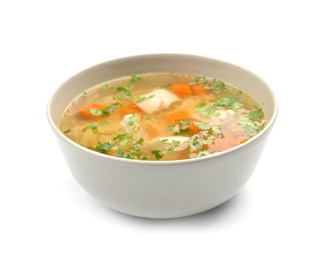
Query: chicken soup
{"points": [[162, 117]]}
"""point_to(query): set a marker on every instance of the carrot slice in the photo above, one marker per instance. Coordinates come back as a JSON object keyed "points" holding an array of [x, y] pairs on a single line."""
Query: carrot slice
{"points": [[174, 117], [228, 141], [193, 129], [85, 111], [129, 109], [198, 90], [181, 90]]}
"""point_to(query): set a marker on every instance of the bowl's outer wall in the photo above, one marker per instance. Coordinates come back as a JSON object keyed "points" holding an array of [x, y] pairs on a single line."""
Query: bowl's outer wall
{"points": [[163, 190]]}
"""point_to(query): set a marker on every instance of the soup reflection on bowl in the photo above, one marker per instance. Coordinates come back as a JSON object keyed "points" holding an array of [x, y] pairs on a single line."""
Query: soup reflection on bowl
{"points": [[162, 135]]}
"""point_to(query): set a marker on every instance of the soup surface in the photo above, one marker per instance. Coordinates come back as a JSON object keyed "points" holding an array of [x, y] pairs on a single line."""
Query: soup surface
{"points": [[162, 117]]}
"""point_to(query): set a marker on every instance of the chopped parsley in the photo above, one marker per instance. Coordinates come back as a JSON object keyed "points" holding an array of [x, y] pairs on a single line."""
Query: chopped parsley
{"points": [[158, 154], [231, 102], [174, 145], [123, 139], [132, 121], [252, 122], [205, 135], [143, 97], [135, 78], [256, 114], [102, 147], [181, 127], [216, 85], [94, 127], [123, 93], [134, 151]]}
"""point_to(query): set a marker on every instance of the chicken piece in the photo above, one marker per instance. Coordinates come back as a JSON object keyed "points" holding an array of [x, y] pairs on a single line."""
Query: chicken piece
{"points": [[220, 117], [130, 123], [159, 99]]}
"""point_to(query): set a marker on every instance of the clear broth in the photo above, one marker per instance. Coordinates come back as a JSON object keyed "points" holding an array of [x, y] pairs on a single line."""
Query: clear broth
{"points": [[162, 117]]}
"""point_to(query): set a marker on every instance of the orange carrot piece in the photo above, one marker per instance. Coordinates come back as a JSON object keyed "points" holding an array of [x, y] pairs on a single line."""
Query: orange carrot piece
{"points": [[193, 129], [85, 111], [198, 90], [173, 117], [181, 90], [129, 109], [228, 141]]}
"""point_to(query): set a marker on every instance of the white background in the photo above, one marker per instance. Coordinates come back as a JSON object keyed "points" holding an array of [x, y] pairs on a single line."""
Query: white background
{"points": [[282, 211]]}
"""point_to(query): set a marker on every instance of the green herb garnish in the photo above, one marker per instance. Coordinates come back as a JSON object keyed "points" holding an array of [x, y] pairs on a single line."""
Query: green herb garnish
{"points": [[143, 97], [123, 93], [256, 114], [124, 139], [158, 154], [94, 127], [102, 147], [216, 85], [105, 111], [231, 102], [251, 127], [135, 78], [132, 121]]}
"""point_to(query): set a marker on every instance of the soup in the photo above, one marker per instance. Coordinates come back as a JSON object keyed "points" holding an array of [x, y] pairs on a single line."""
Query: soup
{"points": [[162, 117]]}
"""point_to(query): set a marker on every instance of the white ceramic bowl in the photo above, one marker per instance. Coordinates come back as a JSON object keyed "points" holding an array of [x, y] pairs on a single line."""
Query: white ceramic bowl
{"points": [[167, 189]]}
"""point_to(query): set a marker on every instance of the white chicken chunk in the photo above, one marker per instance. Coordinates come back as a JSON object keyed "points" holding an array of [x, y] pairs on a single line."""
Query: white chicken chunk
{"points": [[157, 99], [219, 118], [130, 123]]}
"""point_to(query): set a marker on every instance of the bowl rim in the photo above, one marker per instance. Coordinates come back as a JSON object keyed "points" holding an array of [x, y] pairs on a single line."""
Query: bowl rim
{"points": [[62, 136]]}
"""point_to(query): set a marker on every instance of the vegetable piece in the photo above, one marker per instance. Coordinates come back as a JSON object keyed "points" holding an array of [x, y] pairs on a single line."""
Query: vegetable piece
{"points": [[176, 116], [135, 78], [183, 126], [130, 109], [251, 128], [158, 154], [199, 90], [193, 129], [102, 147], [233, 102], [94, 127], [217, 85], [230, 140], [123, 93], [256, 114], [90, 111], [181, 90]]}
